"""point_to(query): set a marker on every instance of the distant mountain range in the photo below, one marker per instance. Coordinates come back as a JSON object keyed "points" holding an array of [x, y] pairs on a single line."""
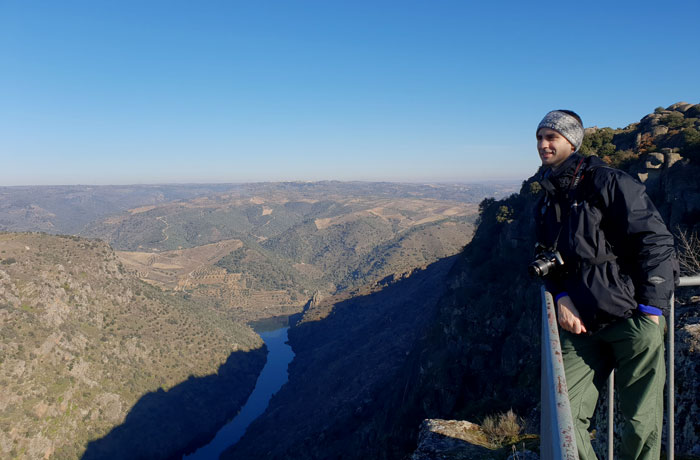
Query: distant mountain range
{"points": [[69, 209]]}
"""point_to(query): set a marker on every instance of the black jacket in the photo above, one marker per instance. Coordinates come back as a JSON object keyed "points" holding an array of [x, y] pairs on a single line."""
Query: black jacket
{"points": [[616, 248]]}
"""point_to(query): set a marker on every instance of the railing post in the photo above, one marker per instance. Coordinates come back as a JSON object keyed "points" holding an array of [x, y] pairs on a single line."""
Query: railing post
{"points": [[611, 414], [670, 400], [557, 435], [671, 441]]}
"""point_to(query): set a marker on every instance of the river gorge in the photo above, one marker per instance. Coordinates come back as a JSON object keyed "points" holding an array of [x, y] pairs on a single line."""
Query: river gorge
{"points": [[271, 379]]}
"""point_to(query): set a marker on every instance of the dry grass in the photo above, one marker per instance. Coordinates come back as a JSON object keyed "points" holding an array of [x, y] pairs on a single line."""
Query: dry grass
{"points": [[501, 429], [688, 252]]}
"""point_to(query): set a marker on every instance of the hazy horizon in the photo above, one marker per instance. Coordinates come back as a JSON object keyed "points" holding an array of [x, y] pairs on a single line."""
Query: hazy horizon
{"points": [[156, 184]]}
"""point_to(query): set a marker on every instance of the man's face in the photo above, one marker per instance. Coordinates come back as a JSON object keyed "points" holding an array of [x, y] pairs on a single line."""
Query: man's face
{"points": [[553, 147]]}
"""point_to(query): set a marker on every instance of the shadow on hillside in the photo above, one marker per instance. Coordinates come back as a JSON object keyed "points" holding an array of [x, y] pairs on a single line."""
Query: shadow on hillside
{"points": [[349, 360], [166, 424]]}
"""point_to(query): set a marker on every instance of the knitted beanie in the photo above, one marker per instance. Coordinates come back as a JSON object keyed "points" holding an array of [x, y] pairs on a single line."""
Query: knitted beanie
{"points": [[566, 125]]}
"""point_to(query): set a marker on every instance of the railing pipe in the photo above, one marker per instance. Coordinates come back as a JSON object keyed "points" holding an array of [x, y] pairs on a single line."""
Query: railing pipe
{"points": [[611, 414], [557, 435], [671, 403], [689, 281]]}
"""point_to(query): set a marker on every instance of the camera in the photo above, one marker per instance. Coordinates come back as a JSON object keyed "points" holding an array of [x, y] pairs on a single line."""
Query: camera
{"points": [[545, 260]]}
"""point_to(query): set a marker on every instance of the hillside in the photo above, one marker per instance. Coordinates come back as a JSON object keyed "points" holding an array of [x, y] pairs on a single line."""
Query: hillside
{"points": [[263, 249], [269, 214], [85, 344], [73, 209], [474, 349], [265, 256], [350, 351], [68, 209]]}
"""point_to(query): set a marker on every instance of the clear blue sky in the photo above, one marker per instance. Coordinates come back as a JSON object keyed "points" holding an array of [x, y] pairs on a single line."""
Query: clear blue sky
{"points": [[118, 92]]}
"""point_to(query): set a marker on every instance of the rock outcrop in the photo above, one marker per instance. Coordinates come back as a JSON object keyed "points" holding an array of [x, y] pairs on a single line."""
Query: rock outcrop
{"points": [[451, 440], [462, 440]]}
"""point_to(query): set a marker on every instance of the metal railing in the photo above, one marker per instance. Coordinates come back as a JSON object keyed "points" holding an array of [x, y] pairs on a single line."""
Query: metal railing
{"points": [[557, 435]]}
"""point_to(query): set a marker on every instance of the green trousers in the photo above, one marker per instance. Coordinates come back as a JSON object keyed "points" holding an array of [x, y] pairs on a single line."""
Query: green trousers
{"points": [[634, 347]]}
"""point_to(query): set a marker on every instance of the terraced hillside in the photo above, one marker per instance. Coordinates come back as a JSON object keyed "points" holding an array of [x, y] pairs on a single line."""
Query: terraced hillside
{"points": [[267, 255], [84, 344]]}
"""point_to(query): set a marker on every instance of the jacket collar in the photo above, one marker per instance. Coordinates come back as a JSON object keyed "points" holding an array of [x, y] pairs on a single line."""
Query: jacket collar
{"points": [[560, 179]]}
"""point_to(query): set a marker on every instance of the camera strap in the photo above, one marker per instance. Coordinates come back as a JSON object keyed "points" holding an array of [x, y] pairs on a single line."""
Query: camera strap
{"points": [[578, 175], [551, 190]]}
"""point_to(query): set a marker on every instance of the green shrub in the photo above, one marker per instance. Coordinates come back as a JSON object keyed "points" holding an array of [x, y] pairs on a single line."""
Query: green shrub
{"points": [[505, 214], [676, 120], [691, 140], [599, 142]]}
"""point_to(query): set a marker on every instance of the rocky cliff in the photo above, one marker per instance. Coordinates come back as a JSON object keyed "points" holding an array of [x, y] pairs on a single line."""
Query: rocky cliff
{"points": [[464, 343]]}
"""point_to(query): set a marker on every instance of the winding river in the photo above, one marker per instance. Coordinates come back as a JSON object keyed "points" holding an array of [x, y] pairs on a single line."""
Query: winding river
{"points": [[271, 379]]}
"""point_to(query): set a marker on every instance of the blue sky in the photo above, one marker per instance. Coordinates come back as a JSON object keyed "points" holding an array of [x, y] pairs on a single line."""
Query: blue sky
{"points": [[120, 92]]}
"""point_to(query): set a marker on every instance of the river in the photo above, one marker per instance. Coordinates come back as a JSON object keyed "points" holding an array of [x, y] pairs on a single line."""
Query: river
{"points": [[271, 379]]}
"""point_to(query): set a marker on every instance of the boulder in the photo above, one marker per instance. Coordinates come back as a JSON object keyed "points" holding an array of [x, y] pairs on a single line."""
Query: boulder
{"points": [[659, 130], [451, 440], [655, 160], [693, 112], [680, 107], [649, 121], [671, 158], [462, 440]]}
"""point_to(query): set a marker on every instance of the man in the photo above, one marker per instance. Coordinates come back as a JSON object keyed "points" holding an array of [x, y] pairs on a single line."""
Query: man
{"points": [[616, 280]]}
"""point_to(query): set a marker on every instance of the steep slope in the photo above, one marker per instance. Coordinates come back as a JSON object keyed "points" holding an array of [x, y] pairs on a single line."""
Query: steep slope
{"points": [[82, 342], [349, 352]]}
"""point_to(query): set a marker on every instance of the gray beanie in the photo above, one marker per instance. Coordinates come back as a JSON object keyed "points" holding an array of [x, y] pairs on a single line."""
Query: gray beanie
{"points": [[566, 125]]}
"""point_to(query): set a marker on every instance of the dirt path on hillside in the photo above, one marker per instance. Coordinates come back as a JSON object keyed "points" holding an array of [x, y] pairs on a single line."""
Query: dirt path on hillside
{"points": [[167, 226]]}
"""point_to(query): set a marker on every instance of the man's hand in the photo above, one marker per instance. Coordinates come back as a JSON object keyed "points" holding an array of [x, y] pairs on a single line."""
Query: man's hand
{"points": [[654, 318], [568, 316]]}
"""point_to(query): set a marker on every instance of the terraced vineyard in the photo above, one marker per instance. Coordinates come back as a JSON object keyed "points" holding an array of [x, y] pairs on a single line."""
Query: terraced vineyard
{"points": [[266, 256]]}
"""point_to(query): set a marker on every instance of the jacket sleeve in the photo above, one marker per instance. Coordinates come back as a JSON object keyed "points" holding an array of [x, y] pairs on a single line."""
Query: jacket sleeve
{"points": [[639, 237]]}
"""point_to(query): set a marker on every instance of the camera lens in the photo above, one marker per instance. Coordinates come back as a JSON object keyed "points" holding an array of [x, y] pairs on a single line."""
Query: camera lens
{"points": [[539, 267], [534, 270]]}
